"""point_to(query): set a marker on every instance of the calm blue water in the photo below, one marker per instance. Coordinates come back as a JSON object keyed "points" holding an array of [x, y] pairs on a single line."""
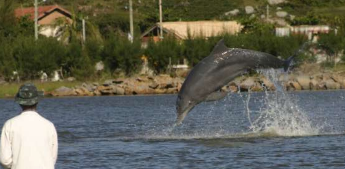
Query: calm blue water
{"points": [[136, 131]]}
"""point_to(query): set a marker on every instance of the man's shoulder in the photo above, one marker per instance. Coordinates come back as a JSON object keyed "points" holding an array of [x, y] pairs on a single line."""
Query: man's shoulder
{"points": [[22, 119], [46, 121], [13, 119], [9, 122]]}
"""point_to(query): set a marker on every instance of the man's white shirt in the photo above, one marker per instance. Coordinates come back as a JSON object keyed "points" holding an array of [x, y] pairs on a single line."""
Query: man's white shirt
{"points": [[28, 141]]}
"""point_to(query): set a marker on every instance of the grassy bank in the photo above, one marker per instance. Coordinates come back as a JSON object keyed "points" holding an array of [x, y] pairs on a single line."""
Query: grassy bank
{"points": [[9, 90]]}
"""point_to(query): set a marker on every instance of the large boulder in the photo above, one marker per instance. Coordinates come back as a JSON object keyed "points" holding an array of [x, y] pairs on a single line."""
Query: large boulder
{"points": [[247, 84], [177, 82], [153, 85], [326, 76], [233, 12], [118, 80], [171, 91], [64, 91], [82, 91], [331, 84], [295, 85], [233, 89], [89, 87], [160, 91], [337, 78], [105, 90], [71, 79], [267, 84], [313, 84], [108, 82], [118, 90], [322, 85], [304, 82], [249, 9], [142, 79], [97, 93], [179, 86], [281, 14], [257, 87], [142, 89], [164, 81]]}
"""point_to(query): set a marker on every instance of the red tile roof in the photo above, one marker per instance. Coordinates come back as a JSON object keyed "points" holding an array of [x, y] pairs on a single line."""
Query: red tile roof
{"points": [[42, 11]]}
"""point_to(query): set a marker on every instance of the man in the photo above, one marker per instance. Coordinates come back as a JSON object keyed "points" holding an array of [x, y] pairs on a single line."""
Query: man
{"points": [[28, 141]]}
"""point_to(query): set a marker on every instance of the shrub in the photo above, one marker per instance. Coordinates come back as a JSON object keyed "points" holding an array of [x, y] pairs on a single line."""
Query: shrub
{"points": [[7, 62], [197, 49], [161, 53], [76, 62], [120, 53]]}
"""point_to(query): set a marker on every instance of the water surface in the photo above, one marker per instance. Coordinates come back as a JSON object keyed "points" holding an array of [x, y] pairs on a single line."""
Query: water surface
{"points": [[300, 130]]}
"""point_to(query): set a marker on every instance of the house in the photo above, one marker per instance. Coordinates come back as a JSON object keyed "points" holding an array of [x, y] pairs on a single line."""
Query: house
{"points": [[47, 17], [183, 30], [311, 31]]}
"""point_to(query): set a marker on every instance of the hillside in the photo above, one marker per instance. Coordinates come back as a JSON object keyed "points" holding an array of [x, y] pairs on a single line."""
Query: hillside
{"points": [[115, 13], [107, 27]]}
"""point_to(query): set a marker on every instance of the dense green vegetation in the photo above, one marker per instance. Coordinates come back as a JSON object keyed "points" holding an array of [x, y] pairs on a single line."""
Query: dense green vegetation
{"points": [[107, 35]]}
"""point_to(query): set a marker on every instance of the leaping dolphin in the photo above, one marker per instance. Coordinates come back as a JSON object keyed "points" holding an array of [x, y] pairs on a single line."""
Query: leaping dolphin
{"points": [[218, 69]]}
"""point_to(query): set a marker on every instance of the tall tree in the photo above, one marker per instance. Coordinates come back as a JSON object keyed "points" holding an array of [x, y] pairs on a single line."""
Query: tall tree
{"points": [[7, 18]]}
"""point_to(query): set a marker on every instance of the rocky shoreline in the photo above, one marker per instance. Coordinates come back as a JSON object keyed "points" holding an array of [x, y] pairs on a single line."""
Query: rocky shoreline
{"points": [[165, 84], [141, 85]]}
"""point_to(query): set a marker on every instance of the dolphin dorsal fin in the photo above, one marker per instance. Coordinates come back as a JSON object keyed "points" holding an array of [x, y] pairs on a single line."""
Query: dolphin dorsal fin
{"points": [[219, 48]]}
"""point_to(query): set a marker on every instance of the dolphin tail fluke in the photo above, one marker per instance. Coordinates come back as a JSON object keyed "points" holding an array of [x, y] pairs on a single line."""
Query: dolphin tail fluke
{"points": [[288, 63]]}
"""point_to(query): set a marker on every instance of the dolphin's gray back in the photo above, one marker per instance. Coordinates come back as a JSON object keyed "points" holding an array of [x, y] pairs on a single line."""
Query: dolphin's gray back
{"points": [[219, 69]]}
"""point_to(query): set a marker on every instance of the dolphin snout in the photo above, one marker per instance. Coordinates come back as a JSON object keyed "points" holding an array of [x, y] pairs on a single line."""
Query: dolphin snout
{"points": [[181, 114]]}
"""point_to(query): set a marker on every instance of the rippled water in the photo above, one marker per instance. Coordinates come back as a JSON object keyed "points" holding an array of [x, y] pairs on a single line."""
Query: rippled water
{"points": [[301, 130]]}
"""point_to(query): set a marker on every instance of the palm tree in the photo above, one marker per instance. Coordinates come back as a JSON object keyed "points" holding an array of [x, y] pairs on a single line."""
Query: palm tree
{"points": [[69, 30]]}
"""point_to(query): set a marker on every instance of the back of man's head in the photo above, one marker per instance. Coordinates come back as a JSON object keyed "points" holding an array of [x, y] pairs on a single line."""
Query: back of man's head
{"points": [[27, 96]]}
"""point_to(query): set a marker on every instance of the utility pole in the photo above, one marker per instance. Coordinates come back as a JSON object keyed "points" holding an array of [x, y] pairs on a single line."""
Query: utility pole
{"points": [[131, 20], [267, 12], [36, 20], [160, 19], [84, 32]]}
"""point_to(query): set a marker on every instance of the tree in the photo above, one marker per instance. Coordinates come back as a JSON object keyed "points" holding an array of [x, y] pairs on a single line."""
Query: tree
{"points": [[7, 19], [76, 62], [160, 53], [7, 62], [333, 44], [120, 53], [73, 30], [196, 49]]}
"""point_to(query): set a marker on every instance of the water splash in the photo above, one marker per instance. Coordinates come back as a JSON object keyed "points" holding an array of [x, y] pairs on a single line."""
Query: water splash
{"points": [[278, 115], [281, 116]]}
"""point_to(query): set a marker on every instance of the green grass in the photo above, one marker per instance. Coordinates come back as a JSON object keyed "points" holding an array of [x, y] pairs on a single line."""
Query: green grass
{"points": [[336, 11], [9, 90]]}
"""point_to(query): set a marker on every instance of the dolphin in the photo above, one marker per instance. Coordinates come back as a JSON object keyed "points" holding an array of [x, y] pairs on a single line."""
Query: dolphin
{"points": [[218, 69]]}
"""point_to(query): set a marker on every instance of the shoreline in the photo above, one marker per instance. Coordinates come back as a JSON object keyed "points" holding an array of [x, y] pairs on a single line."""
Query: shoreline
{"points": [[165, 84]]}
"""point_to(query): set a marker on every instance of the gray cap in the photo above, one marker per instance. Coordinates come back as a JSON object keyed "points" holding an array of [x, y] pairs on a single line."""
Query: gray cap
{"points": [[28, 95]]}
